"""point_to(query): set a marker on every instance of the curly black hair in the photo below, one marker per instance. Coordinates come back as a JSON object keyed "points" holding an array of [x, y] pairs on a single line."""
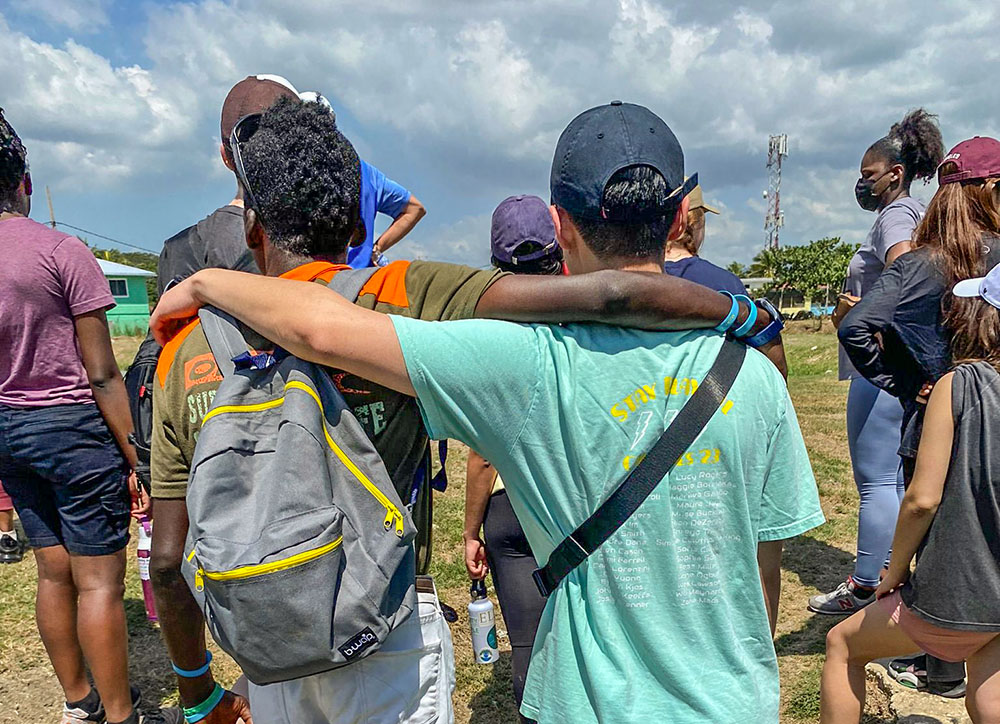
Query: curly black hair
{"points": [[305, 177], [13, 163], [914, 142]]}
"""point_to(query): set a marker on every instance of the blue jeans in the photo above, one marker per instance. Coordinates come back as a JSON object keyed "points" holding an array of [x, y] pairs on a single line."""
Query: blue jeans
{"points": [[67, 478], [874, 418]]}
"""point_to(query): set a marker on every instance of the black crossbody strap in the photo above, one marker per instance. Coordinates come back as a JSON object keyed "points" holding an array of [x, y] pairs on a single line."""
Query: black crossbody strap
{"points": [[646, 475]]}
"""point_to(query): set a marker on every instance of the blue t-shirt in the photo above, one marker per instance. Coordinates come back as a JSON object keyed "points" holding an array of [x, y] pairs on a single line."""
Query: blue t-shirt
{"points": [[667, 619], [696, 269], [379, 195]]}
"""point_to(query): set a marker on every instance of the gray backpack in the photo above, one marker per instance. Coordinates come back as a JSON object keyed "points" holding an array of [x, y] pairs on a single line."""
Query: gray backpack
{"points": [[299, 550]]}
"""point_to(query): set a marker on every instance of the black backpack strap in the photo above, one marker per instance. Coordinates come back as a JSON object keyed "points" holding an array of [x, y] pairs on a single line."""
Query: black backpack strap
{"points": [[224, 338], [646, 476], [349, 282]]}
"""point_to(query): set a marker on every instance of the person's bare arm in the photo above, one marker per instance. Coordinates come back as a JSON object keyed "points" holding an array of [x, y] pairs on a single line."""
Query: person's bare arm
{"points": [[105, 379], [479, 479], [108, 388], [401, 226], [308, 320], [769, 564], [181, 620], [923, 496], [647, 300]]}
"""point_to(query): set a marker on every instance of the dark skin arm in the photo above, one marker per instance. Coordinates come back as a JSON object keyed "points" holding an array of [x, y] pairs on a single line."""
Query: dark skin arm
{"points": [[769, 564], [647, 300], [180, 617], [479, 480], [108, 387]]}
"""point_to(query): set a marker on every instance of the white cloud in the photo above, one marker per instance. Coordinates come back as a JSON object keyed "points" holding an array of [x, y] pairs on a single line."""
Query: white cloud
{"points": [[463, 102]]}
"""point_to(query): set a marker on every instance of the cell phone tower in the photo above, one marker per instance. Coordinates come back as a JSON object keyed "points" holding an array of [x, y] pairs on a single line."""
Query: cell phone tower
{"points": [[777, 149]]}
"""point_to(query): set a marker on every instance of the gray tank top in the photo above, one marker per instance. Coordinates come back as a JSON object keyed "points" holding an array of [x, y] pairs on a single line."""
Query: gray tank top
{"points": [[956, 583]]}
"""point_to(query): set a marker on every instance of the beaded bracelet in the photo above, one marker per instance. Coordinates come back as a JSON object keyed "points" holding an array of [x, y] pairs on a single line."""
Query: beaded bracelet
{"points": [[197, 713], [195, 673]]}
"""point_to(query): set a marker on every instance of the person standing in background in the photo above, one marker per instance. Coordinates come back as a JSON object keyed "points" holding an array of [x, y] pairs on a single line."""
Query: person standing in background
{"points": [[682, 260], [11, 547], [896, 335], [522, 241], [912, 150], [217, 240], [381, 195], [66, 458]]}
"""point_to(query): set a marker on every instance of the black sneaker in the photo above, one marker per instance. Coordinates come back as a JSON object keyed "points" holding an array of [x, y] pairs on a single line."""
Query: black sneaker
{"points": [[74, 715], [173, 715], [11, 549]]}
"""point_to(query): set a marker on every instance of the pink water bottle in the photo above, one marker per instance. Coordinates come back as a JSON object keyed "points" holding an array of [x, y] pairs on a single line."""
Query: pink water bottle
{"points": [[145, 544]]}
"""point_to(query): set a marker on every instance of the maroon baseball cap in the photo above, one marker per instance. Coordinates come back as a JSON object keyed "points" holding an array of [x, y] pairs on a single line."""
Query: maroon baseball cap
{"points": [[253, 94], [977, 158]]}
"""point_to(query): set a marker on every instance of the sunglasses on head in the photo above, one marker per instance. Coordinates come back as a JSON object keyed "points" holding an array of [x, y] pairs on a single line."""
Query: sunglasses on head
{"points": [[242, 132]]}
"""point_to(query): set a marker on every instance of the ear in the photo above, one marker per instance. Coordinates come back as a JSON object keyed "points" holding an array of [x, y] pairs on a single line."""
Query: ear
{"points": [[679, 224], [252, 229], [226, 158], [567, 235]]}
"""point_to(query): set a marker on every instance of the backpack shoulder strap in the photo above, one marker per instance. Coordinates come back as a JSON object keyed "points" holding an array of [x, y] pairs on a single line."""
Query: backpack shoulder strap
{"points": [[350, 282], [647, 475], [224, 338]]}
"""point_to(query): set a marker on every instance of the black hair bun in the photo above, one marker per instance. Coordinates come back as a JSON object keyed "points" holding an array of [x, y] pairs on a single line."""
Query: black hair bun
{"points": [[919, 141]]}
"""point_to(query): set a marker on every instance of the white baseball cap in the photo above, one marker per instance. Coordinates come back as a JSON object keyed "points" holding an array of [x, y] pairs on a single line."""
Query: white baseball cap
{"points": [[987, 287]]}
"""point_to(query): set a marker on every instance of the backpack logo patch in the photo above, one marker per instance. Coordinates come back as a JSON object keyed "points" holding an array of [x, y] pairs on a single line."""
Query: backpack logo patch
{"points": [[356, 646]]}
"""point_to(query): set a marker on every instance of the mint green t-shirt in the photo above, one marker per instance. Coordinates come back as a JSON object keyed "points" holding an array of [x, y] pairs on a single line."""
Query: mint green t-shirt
{"points": [[666, 621]]}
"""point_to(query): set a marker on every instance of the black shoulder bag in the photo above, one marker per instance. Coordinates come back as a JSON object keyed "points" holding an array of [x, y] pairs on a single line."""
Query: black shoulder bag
{"points": [[645, 476]]}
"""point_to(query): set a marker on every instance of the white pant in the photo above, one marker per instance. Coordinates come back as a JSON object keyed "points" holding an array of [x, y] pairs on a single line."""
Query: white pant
{"points": [[409, 680]]}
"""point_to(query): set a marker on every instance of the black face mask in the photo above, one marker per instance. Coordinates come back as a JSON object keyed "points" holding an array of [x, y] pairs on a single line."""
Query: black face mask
{"points": [[868, 196]]}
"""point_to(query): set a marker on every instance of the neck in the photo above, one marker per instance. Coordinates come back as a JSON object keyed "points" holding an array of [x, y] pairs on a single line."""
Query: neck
{"points": [[279, 262], [676, 253], [10, 215], [901, 193]]}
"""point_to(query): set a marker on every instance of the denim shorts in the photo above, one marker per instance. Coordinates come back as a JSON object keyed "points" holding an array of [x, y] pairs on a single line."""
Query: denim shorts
{"points": [[67, 478]]}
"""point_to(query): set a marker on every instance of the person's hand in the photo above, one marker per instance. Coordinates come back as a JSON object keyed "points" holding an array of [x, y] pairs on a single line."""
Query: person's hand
{"points": [[892, 580], [845, 303], [232, 709], [475, 558], [925, 393], [138, 496], [176, 308]]}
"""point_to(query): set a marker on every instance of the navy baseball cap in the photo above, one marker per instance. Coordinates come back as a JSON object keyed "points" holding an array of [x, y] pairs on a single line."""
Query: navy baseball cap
{"points": [[522, 231], [604, 140]]}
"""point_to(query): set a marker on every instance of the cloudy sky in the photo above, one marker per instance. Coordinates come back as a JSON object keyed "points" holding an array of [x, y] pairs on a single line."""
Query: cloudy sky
{"points": [[462, 102]]}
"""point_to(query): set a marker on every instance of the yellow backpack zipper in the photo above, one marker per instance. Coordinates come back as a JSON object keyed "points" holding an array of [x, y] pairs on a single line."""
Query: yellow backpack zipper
{"points": [[392, 513], [261, 569]]}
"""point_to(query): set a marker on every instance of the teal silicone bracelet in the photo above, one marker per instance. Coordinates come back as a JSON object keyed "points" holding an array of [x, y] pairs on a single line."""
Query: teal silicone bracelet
{"points": [[744, 329], [734, 312], [199, 712]]}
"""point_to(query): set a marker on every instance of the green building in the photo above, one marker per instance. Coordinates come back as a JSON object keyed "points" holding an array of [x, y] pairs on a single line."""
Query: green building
{"points": [[128, 287]]}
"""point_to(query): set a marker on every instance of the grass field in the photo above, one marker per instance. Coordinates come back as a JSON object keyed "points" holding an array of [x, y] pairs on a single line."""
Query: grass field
{"points": [[812, 563]]}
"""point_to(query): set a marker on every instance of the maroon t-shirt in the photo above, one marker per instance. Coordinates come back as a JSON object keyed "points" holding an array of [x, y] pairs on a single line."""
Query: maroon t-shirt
{"points": [[46, 279]]}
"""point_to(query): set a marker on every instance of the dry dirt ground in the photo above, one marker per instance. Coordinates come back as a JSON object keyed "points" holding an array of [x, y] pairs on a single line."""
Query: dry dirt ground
{"points": [[815, 562]]}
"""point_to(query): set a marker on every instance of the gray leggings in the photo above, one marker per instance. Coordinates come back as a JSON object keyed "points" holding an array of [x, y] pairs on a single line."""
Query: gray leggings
{"points": [[874, 418]]}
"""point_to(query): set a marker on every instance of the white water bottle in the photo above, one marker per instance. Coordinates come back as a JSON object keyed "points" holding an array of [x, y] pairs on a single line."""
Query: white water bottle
{"points": [[483, 624]]}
